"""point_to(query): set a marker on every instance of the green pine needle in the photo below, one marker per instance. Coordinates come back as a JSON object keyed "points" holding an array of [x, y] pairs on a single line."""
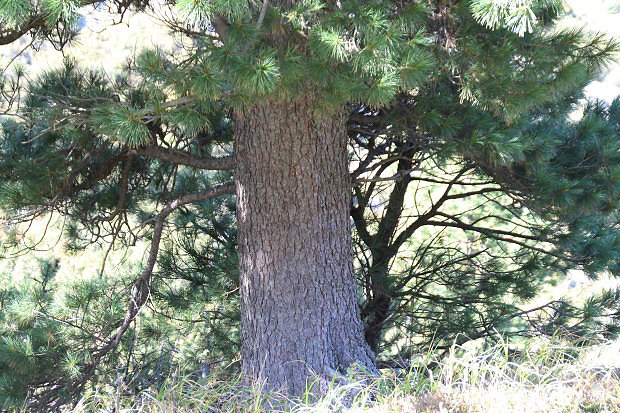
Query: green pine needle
{"points": [[121, 124]]}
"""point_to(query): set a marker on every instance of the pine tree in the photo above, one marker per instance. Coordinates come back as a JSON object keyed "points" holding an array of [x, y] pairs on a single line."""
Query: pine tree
{"points": [[478, 91]]}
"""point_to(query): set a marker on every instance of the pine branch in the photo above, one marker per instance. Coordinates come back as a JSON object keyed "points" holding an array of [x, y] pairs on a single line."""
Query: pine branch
{"points": [[36, 23], [140, 290], [185, 158]]}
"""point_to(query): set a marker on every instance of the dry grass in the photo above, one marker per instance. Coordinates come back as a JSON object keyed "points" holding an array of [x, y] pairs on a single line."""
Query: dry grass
{"points": [[546, 376]]}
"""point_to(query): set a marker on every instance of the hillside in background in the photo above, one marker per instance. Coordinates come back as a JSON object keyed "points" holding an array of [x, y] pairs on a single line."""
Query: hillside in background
{"points": [[603, 16], [102, 43]]}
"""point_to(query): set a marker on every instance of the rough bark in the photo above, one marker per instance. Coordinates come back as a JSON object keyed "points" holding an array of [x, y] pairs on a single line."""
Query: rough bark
{"points": [[300, 313]]}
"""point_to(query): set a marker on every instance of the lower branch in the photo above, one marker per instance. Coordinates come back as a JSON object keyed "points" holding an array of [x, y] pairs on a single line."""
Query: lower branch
{"points": [[140, 290]]}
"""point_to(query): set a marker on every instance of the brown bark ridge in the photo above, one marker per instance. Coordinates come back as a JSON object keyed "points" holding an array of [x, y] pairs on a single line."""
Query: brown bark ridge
{"points": [[300, 314]]}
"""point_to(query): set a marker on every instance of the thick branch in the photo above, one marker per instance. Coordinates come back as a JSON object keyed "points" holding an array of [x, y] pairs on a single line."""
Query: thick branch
{"points": [[185, 158], [9, 36], [361, 225]]}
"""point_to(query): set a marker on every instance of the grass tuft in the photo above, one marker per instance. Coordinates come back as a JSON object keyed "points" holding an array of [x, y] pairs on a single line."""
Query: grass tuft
{"points": [[544, 376]]}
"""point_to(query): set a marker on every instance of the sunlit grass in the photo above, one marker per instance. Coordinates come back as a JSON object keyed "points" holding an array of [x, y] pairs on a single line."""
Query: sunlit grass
{"points": [[546, 376]]}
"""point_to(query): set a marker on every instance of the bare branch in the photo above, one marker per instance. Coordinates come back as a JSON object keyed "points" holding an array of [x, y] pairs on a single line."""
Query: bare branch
{"points": [[261, 17], [185, 158]]}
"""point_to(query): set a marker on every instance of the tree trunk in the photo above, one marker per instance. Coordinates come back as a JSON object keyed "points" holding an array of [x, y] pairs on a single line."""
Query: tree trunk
{"points": [[300, 314]]}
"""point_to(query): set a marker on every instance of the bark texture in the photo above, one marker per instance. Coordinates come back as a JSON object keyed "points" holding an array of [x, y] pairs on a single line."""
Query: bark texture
{"points": [[300, 312]]}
